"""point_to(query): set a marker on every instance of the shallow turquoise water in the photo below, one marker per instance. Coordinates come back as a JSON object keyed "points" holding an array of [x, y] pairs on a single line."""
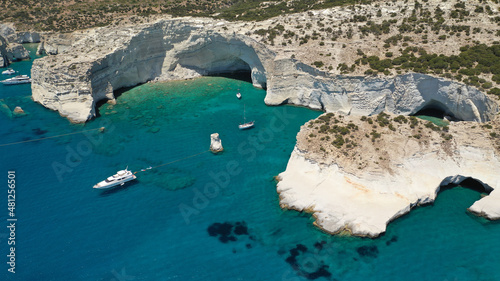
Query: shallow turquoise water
{"points": [[157, 227], [437, 121]]}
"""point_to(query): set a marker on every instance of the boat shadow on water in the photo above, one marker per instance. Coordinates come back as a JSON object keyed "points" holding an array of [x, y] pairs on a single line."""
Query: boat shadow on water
{"points": [[118, 188]]}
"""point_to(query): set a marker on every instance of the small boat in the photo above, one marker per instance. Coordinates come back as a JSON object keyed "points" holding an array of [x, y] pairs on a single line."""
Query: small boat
{"points": [[9, 71], [120, 178], [238, 95], [19, 79], [245, 125]]}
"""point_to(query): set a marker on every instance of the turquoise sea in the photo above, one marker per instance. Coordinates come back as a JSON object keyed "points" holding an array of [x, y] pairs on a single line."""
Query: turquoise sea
{"points": [[205, 217]]}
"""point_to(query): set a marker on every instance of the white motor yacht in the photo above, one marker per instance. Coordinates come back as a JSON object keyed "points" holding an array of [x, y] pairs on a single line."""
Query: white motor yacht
{"points": [[19, 79], [120, 178]]}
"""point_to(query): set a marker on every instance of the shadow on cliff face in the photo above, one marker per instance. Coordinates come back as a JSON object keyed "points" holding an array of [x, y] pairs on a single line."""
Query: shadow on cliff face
{"points": [[245, 76], [437, 110], [116, 93], [470, 183]]}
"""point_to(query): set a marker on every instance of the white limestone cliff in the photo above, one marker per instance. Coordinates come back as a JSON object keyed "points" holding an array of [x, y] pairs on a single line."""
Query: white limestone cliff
{"points": [[10, 44], [295, 83], [87, 66], [102, 60], [362, 188]]}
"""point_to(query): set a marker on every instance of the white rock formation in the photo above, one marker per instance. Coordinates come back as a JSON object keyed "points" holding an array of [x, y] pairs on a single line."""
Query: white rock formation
{"points": [[105, 59], [362, 188], [91, 64], [16, 52], [296, 83], [215, 143], [488, 206], [28, 37], [8, 31], [10, 44]]}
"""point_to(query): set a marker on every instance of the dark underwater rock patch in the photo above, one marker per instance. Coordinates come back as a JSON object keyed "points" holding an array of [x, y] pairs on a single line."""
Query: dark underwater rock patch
{"points": [[319, 245], [227, 231], [320, 272], [393, 239], [39, 132], [318, 269], [240, 229], [368, 251]]}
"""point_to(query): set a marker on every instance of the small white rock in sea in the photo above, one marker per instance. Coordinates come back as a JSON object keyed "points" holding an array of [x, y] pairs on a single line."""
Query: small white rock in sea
{"points": [[215, 143]]}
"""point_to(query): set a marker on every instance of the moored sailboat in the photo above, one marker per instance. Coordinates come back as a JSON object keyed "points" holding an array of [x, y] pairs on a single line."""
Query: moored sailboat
{"points": [[246, 125]]}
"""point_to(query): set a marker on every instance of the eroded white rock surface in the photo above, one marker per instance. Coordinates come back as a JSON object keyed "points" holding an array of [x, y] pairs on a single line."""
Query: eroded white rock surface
{"points": [[10, 43], [295, 83], [362, 188], [90, 65], [87, 66]]}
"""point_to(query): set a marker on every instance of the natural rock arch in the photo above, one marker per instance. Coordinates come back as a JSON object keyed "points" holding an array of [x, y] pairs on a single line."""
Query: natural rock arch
{"points": [[466, 181], [435, 109], [197, 55], [115, 59], [92, 64], [217, 54]]}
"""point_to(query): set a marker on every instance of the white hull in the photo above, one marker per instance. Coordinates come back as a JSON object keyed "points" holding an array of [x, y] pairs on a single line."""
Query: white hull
{"points": [[119, 178], [16, 82], [245, 126], [21, 79]]}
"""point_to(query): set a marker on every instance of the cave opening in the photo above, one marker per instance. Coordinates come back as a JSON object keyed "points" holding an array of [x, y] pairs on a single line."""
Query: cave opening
{"points": [[116, 93], [437, 113], [232, 68], [223, 63], [242, 75], [469, 183], [435, 109]]}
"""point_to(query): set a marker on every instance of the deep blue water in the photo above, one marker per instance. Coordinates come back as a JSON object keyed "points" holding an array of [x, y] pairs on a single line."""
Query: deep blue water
{"points": [[208, 217]]}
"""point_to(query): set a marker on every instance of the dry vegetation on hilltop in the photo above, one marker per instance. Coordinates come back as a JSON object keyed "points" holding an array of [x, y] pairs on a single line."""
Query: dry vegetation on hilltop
{"points": [[364, 141], [454, 39], [63, 16], [437, 37]]}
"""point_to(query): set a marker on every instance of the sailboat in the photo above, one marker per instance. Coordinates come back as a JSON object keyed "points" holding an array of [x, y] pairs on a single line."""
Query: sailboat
{"points": [[245, 125]]}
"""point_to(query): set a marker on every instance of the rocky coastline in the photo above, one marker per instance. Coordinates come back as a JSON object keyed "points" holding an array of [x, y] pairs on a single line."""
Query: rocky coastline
{"points": [[11, 48], [357, 174], [356, 183], [88, 66]]}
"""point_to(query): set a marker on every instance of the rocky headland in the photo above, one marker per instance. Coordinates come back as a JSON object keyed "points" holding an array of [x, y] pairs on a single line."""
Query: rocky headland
{"points": [[356, 174]]}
